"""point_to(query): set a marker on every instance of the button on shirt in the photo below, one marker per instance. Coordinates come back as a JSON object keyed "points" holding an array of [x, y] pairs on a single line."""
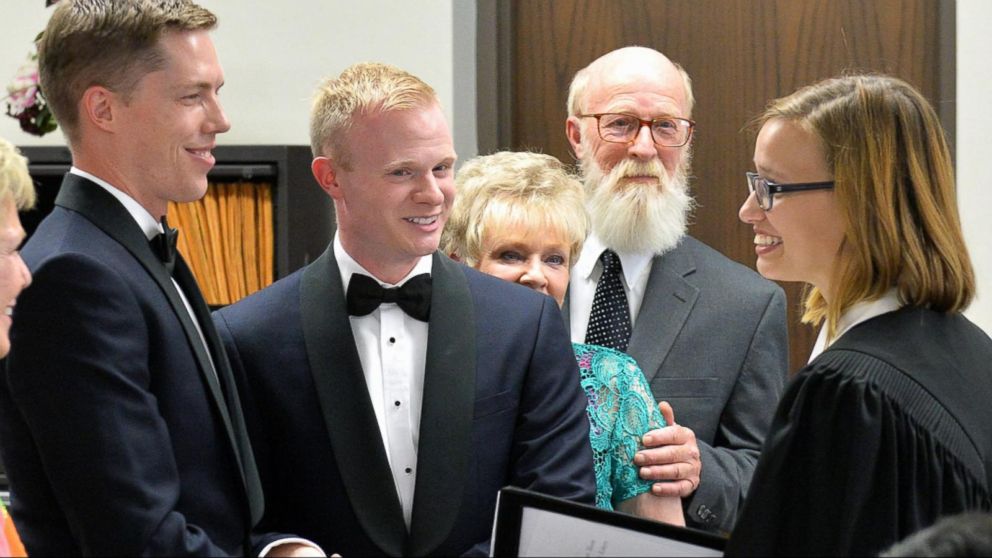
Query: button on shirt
{"points": [[392, 347], [585, 275]]}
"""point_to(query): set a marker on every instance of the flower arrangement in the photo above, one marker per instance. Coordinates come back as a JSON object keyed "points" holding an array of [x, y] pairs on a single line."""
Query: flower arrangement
{"points": [[25, 100]]}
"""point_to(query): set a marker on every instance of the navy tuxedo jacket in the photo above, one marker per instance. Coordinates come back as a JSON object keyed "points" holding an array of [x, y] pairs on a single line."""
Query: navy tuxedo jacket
{"points": [[502, 405], [116, 435]]}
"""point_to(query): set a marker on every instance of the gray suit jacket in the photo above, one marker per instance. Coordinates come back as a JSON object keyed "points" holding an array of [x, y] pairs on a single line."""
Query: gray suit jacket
{"points": [[711, 339]]}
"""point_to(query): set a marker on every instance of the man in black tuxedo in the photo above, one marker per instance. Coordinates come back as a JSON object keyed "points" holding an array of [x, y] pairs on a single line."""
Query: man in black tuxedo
{"points": [[392, 392], [120, 425]]}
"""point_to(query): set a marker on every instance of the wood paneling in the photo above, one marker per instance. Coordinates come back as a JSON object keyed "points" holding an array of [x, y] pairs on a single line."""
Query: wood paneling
{"points": [[740, 54]]}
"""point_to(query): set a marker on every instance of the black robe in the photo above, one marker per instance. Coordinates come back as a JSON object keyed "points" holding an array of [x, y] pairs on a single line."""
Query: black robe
{"points": [[883, 433]]}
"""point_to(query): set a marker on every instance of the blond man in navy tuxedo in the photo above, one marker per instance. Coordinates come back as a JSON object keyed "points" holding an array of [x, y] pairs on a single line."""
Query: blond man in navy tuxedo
{"points": [[392, 391]]}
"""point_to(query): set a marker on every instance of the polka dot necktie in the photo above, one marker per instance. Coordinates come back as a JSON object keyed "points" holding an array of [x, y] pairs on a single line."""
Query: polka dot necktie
{"points": [[609, 322]]}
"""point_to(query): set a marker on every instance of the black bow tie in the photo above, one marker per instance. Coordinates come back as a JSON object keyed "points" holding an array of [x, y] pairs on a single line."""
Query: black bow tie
{"points": [[365, 294], [164, 246]]}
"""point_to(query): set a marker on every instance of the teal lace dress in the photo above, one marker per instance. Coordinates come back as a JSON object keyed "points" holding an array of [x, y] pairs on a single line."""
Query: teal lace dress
{"points": [[621, 409]]}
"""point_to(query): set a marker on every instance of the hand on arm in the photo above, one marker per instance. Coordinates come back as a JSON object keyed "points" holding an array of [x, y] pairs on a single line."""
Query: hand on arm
{"points": [[671, 454]]}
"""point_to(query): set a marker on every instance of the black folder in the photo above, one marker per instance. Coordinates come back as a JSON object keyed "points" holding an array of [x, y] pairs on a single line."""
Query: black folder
{"points": [[532, 524]]}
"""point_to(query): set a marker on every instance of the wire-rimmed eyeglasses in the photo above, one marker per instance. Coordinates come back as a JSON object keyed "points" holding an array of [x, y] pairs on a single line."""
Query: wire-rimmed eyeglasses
{"points": [[666, 131], [764, 190]]}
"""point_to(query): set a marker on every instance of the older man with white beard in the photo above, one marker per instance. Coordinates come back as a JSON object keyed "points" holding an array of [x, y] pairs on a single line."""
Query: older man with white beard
{"points": [[710, 334]]}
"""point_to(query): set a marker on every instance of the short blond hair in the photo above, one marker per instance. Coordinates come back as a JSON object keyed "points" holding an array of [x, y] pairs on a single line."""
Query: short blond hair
{"points": [[515, 189], [361, 89], [112, 43], [15, 182], [894, 183]]}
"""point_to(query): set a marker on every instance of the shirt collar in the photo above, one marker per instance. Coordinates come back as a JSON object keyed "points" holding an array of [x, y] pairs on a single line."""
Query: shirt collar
{"points": [[348, 266], [856, 314], [633, 263], [145, 220]]}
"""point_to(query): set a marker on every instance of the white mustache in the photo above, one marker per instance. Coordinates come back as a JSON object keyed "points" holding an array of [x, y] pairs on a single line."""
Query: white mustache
{"points": [[645, 218], [627, 169]]}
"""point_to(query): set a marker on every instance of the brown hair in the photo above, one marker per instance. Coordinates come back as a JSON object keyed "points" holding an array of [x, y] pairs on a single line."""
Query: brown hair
{"points": [[895, 185], [112, 43]]}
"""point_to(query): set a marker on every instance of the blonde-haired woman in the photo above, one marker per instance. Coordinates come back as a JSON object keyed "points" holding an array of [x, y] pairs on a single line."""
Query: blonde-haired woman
{"points": [[889, 426], [16, 192], [521, 217]]}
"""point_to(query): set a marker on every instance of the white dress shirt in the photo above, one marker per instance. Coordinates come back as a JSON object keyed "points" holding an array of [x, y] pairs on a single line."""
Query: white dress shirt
{"points": [[585, 276], [860, 312], [392, 347]]}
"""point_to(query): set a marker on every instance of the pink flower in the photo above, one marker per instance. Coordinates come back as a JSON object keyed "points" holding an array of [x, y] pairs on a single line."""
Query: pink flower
{"points": [[25, 99], [23, 91]]}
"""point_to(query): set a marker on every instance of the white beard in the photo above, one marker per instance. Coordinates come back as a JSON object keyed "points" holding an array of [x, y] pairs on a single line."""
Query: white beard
{"points": [[638, 217]]}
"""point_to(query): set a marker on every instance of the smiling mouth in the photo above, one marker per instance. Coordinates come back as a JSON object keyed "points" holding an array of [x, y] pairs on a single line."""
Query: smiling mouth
{"points": [[8, 311], [766, 240], [422, 220], [202, 153]]}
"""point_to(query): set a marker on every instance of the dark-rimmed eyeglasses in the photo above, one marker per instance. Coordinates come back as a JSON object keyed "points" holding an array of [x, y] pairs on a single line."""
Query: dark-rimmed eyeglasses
{"points": [[666, 131], [764, 190]]}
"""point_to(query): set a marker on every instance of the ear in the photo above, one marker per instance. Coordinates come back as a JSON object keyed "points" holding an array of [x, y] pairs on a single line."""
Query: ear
{"points": [[98, 106], [573, 131], [325, 172]]}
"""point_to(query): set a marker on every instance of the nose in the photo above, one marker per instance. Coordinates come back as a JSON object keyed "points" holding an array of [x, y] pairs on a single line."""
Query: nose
{"points": [[429, 191], [643, 145], [534, 277], [217, 121], [23, 271], [750, 212]]}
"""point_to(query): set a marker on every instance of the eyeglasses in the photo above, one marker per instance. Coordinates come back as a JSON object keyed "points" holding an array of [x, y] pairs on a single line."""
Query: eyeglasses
{"points": [[764, 190], [623, 128]]}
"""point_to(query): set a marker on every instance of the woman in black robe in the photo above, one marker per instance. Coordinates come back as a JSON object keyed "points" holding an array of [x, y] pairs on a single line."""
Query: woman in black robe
{"points": [[889, 426]]}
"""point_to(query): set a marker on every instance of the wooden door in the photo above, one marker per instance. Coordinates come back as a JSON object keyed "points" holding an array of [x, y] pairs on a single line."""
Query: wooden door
{"points": [[740, 54]]}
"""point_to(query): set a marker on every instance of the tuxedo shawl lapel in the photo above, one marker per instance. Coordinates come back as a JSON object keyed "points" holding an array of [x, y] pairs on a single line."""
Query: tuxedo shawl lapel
{"points": [[103, 210], [445, 446], [566, 313], [668, 300], [347, 409]]}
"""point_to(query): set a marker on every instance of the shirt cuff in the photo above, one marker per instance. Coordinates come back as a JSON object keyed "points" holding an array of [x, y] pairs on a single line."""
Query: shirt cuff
{"points": [[268, 548]]}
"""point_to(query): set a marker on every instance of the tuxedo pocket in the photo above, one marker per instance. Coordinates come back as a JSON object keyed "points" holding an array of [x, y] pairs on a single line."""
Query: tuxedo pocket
{"points": [[495, 404], [685, 387]]}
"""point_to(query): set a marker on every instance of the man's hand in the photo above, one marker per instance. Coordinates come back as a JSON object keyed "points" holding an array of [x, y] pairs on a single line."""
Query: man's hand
{"points": [[671, 454]]}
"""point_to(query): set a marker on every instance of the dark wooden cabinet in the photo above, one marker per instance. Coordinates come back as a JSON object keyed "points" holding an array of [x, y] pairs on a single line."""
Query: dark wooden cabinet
{"points": [[302, 213]]}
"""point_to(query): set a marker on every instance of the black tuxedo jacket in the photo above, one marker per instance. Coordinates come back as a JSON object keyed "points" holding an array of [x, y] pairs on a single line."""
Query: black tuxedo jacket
{"points": [[502, 405], [117, 436]]}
